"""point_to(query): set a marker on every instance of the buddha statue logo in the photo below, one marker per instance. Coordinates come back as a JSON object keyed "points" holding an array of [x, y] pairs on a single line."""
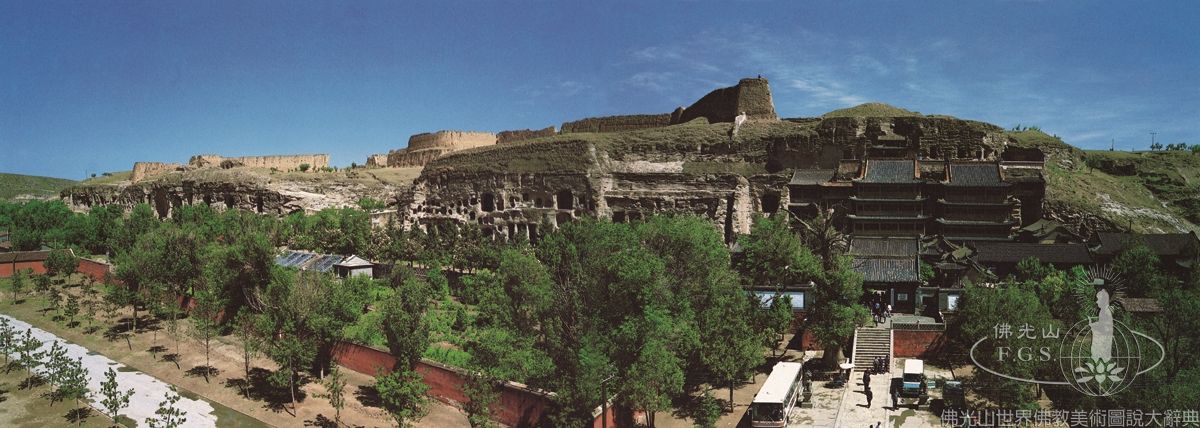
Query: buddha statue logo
{"points": [[1099, 355]]}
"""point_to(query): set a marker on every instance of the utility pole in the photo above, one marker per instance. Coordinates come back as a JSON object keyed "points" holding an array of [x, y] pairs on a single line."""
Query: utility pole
{"points": [[1112, 146]]}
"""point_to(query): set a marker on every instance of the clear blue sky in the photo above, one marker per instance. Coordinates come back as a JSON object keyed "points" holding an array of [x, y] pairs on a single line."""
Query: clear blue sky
{"points": [[92, 86]]}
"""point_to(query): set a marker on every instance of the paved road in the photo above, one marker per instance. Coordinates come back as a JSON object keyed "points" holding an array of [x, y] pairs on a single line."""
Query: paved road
{"points": [[148, 391]]}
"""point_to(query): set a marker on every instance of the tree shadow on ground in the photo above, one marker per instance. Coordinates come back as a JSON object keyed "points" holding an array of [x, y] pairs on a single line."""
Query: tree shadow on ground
{"points": [[368, 396], [31, 382], [203, 371], [172, 358], [260, 388], [73, 324], [157, 349], [4, 393], [91, 330], [323, 422], [77, 416]]}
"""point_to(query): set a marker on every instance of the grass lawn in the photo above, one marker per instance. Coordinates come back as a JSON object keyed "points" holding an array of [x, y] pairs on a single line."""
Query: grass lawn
{"points": [[29, 408]]}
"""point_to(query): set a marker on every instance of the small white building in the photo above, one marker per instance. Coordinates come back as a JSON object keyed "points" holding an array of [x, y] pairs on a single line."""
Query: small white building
{"points": [[353, 266]]}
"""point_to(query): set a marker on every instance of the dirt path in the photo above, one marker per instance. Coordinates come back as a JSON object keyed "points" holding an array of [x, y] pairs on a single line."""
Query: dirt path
{"points": [[147, 391]]}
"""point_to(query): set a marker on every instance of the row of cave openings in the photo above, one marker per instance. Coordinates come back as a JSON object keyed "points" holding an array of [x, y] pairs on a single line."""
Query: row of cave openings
{"points": [[163, 204], [563, 200]]}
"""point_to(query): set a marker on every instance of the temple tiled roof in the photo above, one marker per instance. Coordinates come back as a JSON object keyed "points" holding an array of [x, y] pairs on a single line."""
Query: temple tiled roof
{"points": [[975, 175], [811, 176], [890, 171], [887, 270], [1013, 252], [880, 246], [1163, 244]]}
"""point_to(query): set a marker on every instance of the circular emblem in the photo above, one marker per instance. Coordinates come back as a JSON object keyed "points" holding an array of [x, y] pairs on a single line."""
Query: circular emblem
{"points": [[1100, 357]]}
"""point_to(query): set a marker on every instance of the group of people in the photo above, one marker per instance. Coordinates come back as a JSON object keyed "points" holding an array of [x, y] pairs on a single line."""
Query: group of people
{"points": [[881, 312], [893, 390]]}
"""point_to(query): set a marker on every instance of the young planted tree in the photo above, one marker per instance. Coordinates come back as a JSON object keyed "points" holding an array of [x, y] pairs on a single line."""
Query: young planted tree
{"points": [[8, 340], [205, 327], [71, 309], [27, 352], [335, 391], [42, 284], [73, 381], [290, 345], [54, 299], [112, 397], [252, 342], [402, 393], [18, 285], [57, 366], [167, 415]]}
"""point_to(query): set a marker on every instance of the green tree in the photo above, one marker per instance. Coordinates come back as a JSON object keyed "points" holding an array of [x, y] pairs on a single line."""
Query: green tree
{"points": [[250, 340], [1140, 270], [335, 391], [27, 352], [291, 345], [61, 262], [834, 319], [774, 256], [71, 309], [402, 393], [42, 284], [8, 340], [403, 321], [205, 326], [304, 167], [983, 312], [57, 368], [708, 411], [112, 397], [73, 382], [168, 415], [776, 319], [18, 285], [481, 390]]}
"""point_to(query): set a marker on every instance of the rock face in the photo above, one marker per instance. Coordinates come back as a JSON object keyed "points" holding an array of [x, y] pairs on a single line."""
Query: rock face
{"points": [[375, 161], [423, 148], [694, 167], [141, 170], [275, 193]]}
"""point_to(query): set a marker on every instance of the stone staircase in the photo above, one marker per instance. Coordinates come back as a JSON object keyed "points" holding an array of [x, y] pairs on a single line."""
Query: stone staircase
{"points": [[870, 343]]}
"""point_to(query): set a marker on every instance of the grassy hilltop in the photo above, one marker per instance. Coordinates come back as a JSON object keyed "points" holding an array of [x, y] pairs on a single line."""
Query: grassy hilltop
{"points": [[14, 185]]}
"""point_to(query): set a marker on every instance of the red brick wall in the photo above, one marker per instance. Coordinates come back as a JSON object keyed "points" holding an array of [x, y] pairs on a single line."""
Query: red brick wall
{"points": [[516, 406], [916, 344], [6, 269], [93, 268]]}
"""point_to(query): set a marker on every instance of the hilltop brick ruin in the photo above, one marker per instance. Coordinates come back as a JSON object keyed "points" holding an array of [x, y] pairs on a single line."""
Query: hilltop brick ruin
{"points": [[280, 162]]}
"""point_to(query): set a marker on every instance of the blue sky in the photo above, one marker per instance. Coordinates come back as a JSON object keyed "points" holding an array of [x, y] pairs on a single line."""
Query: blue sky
{"points": [[92, 86]]}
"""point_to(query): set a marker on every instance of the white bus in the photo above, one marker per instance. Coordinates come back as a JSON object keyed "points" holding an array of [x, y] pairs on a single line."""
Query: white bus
{"points": [[777, 397]]}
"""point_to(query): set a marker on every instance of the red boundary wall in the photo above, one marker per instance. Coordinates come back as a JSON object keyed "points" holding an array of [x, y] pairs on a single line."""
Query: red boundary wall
{"points": [[917, 343], [517, 405], [89, 267], [6, 269]]}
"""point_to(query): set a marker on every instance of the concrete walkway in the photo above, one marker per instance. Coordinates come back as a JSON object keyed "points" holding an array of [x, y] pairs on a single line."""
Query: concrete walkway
{"points": [[148, 391], [855, 413]]}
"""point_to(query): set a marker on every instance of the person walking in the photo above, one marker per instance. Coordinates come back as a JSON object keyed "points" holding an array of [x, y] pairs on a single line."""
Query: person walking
{"points": [[869, 396], [895, 391], [867, 379]]}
